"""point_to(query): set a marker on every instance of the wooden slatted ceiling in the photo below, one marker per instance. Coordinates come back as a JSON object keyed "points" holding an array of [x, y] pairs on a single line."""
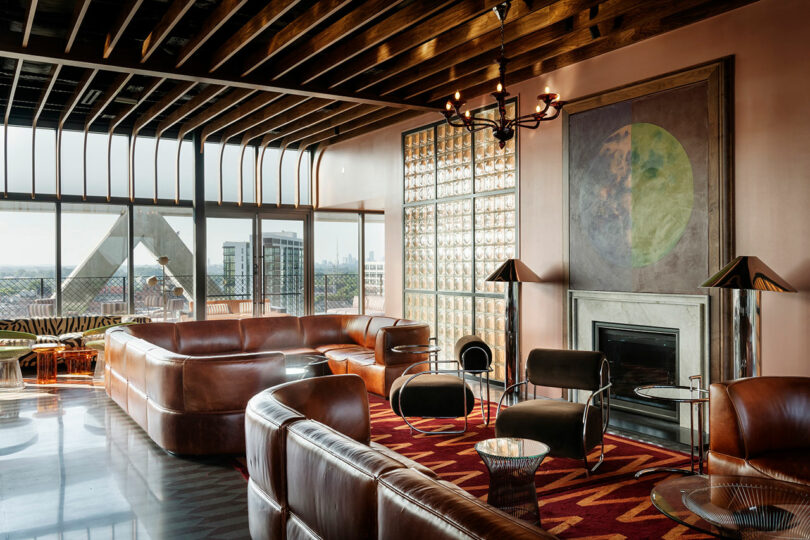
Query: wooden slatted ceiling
{"points": [[306, 73]]}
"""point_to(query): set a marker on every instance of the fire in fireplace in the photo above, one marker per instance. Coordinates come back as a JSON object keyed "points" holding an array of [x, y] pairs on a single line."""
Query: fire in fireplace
{"points": [[638, 356]]}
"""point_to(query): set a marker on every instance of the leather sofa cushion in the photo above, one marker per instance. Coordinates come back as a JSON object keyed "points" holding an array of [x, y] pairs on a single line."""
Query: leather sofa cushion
{"points": [[432, 396], [271, 333], [298, 351], [333, 347], [374, 326], [356, 328], [332, 481], [340, 402], [346, 352], [786, 465], [320, 329], [161, 334], [208, 337], [410, 505], [555, 423]]}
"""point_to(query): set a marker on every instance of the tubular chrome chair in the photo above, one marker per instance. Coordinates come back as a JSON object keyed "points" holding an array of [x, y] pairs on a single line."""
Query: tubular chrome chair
{"points": [[475, 358], [570, 429]]}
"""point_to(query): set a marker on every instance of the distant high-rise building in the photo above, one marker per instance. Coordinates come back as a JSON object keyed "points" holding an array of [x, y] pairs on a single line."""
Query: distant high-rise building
{"points": [[236, 268]]}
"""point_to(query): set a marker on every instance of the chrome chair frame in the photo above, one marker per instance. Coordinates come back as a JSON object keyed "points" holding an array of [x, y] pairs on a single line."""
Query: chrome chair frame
{"points": [[459, 371], [604, 408], [480, 377]]}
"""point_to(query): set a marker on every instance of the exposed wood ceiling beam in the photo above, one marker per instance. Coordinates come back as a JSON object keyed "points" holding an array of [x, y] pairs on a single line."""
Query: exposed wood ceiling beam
{"points": [[255, 26], [346, 127], [81, 88], [29, 22], [79, 11], [9, 103], [108, 97], [222, 104], [144, 95], [521, 36], [206, 94], [300, 112], [73, 100], [219, 16], [307, 121], [46, 92], [430, 28], [363, 14], [327, 125], [315, 15], [48, 50], [162, 29], [643, 14], [247, 108], [623, 37], [271, 111], [463, 42], [399, 117], [124, 18], [388, 27], [164, 103]]}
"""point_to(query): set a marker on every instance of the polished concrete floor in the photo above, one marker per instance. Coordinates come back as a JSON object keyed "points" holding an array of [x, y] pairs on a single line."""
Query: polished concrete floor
{"points": [[74, 465]]}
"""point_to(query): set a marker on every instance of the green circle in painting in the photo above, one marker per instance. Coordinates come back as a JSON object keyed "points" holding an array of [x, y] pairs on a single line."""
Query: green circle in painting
{"points": [[639, 196], [663, 193]]}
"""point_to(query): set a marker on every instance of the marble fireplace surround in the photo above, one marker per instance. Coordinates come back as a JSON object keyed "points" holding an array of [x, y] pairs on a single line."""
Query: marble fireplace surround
{"points": [[688, 313]]}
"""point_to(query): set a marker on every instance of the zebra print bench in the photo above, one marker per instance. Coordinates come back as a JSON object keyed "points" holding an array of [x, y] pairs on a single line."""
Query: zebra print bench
{"points": [[65, 330]]}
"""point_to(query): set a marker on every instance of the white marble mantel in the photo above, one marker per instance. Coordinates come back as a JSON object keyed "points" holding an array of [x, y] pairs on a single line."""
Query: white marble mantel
{"points": [[689, 314]]}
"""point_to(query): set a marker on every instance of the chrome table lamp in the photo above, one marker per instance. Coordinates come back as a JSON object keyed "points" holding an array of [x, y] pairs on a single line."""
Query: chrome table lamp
{"points": [[748, 277]]}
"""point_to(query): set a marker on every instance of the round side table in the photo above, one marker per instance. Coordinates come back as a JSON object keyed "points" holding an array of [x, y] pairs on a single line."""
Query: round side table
{"points": [[697, 398], [431, 350], [512, 464]]}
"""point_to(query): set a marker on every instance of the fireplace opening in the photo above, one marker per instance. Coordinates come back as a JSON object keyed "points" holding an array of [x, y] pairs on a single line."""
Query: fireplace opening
{"points": [[639, 356]]}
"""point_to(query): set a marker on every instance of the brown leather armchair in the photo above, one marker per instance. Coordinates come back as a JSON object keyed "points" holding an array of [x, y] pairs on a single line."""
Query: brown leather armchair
{"points": [[761, 427]]}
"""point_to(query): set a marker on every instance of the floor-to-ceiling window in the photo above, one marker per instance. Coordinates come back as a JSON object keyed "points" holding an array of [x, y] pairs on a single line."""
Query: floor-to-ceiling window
{"points": [[337, 270], [28, 263], [374, 263], [460, 194]]}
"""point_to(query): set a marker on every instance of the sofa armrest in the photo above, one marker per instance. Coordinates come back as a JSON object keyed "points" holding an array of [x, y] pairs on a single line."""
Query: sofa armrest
{"points": [[725, 435], [391, 336]]}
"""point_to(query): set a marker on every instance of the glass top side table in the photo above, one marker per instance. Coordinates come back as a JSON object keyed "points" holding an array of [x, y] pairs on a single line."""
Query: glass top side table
{"points": [[431, 349], [512, 464], [697, 398], [736, 506]]}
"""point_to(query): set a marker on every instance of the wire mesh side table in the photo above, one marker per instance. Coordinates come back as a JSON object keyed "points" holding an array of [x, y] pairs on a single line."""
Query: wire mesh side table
{"points": [[512, 464]]}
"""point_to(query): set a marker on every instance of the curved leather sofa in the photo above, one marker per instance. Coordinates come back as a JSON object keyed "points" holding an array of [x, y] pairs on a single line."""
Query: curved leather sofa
{"points": [[315, 474], [187, 384], [761, 427]]}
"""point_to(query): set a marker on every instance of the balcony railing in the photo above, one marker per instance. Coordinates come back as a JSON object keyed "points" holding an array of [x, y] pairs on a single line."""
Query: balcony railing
{"points": [[36, 296]]}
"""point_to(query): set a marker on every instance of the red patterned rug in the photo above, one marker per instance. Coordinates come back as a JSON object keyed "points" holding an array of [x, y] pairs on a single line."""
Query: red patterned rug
{"points": [[611, 504]]}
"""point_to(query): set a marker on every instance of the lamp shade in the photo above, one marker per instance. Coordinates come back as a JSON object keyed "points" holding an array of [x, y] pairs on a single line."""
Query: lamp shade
{"points": [[748, 273], [513, 270]]}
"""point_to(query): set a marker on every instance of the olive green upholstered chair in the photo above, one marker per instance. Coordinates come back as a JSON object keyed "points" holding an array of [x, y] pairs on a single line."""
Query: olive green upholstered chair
{"points": [[570, 429], [13, 345]]}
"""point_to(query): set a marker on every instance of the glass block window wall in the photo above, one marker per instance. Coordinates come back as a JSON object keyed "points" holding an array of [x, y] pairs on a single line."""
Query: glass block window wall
{"points": [[460, 216]]}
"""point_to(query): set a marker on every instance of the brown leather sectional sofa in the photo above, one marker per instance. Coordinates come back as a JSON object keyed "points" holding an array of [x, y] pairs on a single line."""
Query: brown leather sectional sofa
{"points": [[315, 474], [187, 384], [761, 427]]}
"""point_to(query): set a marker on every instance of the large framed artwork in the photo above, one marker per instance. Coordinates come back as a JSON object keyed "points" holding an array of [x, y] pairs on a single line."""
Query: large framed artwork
{"points": [[649, 187]]}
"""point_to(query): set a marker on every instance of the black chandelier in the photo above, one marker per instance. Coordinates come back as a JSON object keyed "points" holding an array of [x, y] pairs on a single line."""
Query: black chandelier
{"points": [[549, 105]]}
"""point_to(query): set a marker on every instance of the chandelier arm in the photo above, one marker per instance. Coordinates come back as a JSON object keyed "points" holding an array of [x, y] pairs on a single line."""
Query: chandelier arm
{"points": [[531, 123]]}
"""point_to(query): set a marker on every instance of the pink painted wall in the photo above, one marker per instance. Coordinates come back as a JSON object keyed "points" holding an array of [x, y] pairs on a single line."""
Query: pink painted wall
{"points": [[771, 94]]}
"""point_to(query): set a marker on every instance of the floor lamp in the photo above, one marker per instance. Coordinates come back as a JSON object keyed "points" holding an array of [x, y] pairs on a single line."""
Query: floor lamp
{"points": [[512, 272], [748, 277]]}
